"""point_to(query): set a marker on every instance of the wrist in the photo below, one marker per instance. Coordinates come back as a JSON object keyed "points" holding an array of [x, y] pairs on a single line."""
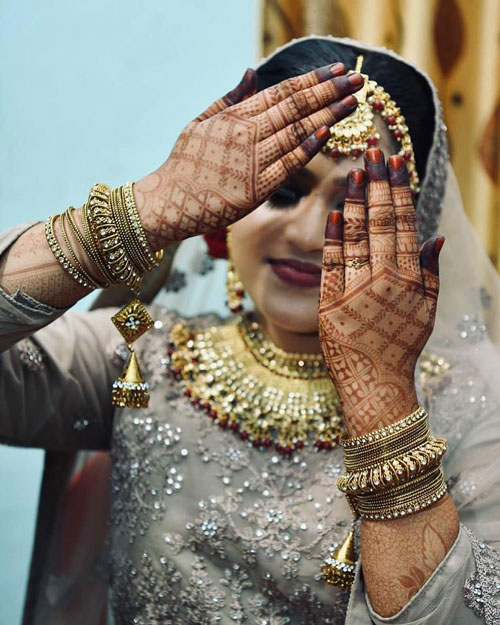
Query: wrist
{"points": [[151, 208], [383, 405]]}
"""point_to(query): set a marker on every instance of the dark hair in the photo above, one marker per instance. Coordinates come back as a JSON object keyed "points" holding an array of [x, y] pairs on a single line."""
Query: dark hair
{"points": [[407, 88]]}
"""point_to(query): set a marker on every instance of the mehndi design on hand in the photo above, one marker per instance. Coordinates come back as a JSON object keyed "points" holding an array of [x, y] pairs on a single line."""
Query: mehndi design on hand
{"points": [[375, 319], [240, 150]]}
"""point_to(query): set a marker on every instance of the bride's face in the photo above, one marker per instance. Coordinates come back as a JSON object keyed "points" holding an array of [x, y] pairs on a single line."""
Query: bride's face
{"points": [[277, 249]]}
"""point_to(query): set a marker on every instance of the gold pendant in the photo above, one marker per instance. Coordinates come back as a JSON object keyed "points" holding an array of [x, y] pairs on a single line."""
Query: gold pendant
{"points": [[131, 389]]}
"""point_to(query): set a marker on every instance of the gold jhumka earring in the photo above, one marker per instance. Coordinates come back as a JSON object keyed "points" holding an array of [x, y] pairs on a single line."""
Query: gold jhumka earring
{"points": [[234, 286]]}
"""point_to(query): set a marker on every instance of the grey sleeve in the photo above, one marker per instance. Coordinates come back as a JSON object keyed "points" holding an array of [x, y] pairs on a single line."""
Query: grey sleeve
{"points": [[464, 589], [55, 372]]}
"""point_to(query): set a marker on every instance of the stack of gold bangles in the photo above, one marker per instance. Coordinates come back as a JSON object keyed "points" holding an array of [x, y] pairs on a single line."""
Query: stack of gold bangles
{"points": [[114, 239], [390, 473], [393, 471]]}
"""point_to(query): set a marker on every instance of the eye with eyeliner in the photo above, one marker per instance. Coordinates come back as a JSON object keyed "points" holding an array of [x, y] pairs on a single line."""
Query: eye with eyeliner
{"points": [[286, 196]]}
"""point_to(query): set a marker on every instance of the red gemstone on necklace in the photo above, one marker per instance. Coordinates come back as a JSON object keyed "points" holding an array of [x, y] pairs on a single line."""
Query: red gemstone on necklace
{"points": [[397, 133], [335, 153], [355, 153], [243, 435], [391, 120], [378, 105], [372, 140], [407, 155]]}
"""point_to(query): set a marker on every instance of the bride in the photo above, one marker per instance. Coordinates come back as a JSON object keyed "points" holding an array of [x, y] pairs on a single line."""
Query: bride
{"points": [[244, 450]]}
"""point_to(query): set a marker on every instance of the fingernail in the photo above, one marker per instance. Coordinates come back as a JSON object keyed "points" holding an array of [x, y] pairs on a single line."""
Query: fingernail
{"points": [[374, 155], [355, 79], [439, 243], [337, 69], [357, 176], [396, 162], [335, 217], [322, 132], [398, 174], [350, 103]]}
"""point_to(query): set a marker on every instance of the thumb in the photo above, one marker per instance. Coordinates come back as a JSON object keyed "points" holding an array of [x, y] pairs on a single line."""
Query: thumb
{"points": [[429, 263], [244, 89]]}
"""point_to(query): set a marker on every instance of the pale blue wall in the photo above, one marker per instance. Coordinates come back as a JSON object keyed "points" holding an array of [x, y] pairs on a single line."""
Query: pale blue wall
{"points": [[96, 91]]}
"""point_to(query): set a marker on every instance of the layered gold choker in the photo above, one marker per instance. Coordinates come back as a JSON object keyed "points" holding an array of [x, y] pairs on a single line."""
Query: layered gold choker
{"points": [[247, 384]]}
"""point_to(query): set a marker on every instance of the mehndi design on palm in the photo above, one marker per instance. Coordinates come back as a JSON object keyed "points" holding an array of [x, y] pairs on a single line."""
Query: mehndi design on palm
{"points": [[233, 156], [375, 317]]}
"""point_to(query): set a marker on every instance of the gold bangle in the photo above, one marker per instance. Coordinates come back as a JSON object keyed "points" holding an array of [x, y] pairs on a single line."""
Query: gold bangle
{"points": [[89, 244], [79, 266], [385, 433], [403, 500], [61, 256], [150, 259], [105, 234], [356, 459], [388, 473]]}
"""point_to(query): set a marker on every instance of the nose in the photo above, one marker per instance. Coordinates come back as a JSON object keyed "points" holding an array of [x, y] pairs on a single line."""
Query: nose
{"points": [[306, 226]]}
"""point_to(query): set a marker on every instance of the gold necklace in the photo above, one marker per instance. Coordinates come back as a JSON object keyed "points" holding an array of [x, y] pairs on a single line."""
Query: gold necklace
{"points": [[247, 384]]}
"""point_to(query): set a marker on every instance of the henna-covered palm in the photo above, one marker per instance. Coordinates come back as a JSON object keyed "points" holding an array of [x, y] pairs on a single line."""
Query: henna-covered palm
{"points": [[375, 320], [236, 154]]}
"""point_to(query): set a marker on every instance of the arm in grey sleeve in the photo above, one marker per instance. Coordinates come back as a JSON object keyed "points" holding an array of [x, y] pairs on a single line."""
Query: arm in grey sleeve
{"points": [[55, 372], [464, 589]]}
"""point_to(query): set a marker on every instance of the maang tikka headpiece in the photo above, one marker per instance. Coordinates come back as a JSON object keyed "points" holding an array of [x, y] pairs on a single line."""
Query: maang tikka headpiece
{"points": [[355, 134]]}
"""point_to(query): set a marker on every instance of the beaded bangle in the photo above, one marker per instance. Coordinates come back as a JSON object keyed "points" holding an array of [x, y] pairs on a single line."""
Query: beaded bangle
{"points": [[394, 471], [88, 242], [356, 460], [61, 256], [150, 259], [104, 232], [406, 499]]}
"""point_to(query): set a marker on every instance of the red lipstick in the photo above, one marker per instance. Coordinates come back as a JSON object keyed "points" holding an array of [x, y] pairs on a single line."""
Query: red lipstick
{"points": [[296, 272]]}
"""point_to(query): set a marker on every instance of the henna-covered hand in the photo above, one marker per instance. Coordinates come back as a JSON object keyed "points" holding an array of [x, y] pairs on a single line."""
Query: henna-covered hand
{"points": [[238, 152], [375, 320]]}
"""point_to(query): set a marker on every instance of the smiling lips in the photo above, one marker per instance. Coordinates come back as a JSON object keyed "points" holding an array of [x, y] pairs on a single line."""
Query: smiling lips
{"points": [[296, 272]]}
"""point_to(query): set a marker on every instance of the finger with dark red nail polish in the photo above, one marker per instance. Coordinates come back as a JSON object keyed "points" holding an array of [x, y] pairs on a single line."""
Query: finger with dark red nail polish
{"points": [[375, 165], [398, 174], [334, 226], [347, 84], [355, 184], [429, 254], [343, 108], [337, 69]]}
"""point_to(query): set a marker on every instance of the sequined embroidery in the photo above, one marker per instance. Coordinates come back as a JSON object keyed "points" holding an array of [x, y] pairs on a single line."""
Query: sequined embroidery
{"points": [[482, 588], [30, 355]]}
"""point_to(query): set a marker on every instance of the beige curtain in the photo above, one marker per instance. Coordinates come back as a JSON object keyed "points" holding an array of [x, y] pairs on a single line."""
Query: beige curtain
{"points": [[458, 43]]}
